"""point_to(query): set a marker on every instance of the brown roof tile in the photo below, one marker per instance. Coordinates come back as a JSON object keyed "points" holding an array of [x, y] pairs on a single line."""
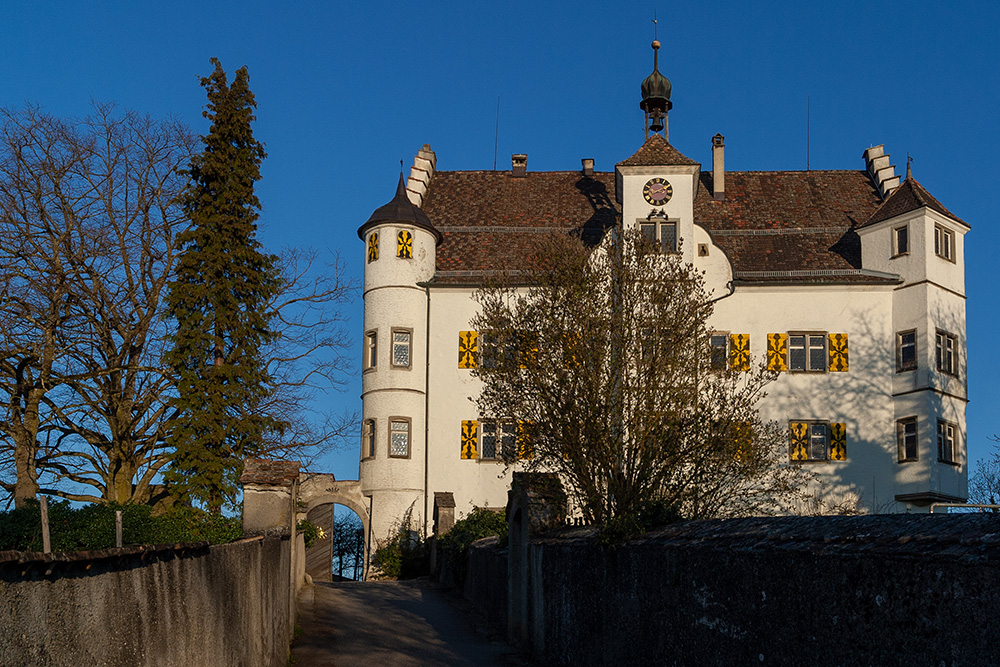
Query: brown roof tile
{"points": [[908, 197], [656, 151]]}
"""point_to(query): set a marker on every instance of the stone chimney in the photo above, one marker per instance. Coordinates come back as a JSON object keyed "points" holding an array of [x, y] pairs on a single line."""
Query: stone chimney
{"points": [[420, 175], [883, 173], [588, 166], [718, 167], [519, 165]]}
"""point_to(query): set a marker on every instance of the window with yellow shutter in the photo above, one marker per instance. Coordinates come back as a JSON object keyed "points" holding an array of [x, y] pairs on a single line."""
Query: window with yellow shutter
{"points": [[739, 352], [470, 438], [404, 244], [838, 352], [817, 441], [373, 246], [777, 352], [468, 349]]}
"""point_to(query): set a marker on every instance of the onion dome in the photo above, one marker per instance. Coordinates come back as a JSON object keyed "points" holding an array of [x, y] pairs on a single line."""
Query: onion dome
{"points": [[655, 89], [399, 210]]}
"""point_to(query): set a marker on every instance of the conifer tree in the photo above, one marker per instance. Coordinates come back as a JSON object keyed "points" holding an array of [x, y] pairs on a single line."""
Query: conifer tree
{"points": [[218, 299]]}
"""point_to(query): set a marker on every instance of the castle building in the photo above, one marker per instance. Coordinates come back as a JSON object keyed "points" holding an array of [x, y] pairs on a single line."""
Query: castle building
{"points": [[850, 283]]}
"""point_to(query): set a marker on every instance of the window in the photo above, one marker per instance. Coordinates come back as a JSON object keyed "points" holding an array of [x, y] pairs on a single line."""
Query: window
{"points": [[945, 353], [906, 350], [719, 344], [662, 232], [368, 439], [373, 246], [498, 438], [946, 441], [399, 437], [906, 439], [900, 241], [401, 347], [807, 352], [810, 441], [404, 244], [371, 350], [944, 243]]}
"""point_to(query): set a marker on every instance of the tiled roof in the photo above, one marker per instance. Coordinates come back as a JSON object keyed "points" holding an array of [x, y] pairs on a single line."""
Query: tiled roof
{"points": [[263, 471], [908, 197], [656, 151], [781, 226]]}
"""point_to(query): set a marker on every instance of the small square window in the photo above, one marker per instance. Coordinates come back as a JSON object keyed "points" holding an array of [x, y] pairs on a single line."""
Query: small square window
{"points": [[945, 346], [807, 353], [944, 243], [368, 439], [900, 241], [399, 437], [946, 441], [906, 438], [371, 350], [401, 348], [662, 232], [906, 350]]}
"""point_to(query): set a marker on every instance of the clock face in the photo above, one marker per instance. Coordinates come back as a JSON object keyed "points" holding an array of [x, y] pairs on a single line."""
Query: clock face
{"points": [[658, 191]]}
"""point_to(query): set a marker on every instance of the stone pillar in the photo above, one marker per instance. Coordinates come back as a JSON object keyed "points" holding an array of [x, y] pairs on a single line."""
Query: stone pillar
{"points": [[536, 503], [444, 520]]}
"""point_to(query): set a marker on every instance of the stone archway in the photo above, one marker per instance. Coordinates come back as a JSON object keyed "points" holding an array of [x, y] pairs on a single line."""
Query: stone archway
{"points": [[317, 489]]}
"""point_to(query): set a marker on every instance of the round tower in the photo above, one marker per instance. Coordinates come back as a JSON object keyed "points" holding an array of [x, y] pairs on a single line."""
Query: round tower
{"points": [[400, 247]]}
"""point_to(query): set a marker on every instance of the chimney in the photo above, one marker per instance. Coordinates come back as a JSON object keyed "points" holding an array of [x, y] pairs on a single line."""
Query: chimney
{"points": [[518, 165], [420, 175], [718, 167], [588, 166]]}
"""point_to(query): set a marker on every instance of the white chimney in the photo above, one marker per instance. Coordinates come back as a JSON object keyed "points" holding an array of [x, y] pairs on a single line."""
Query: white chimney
{"points": [[588, 166]]}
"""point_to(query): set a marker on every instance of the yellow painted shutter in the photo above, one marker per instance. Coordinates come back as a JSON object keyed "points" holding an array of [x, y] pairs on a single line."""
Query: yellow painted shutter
{"points": [[743, 435], [470, 437], [528, 343], [838, 443], [800, 441], [524, 448], [777, 352], [373, 246], [404, 244], [838, 352], [468, 349], [739, 352]]}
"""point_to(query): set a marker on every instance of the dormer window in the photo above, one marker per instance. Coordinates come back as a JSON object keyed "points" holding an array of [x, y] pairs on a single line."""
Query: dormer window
{"points": [[944, 243], [661, 232], [900, 241]]}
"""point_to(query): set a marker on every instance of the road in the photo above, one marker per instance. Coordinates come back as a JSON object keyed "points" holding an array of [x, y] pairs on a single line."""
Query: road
{"points": [[393, 623]]}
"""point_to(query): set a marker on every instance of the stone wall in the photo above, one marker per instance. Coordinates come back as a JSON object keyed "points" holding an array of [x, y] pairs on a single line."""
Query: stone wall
{"points": [[167, 605], [873, 590]]}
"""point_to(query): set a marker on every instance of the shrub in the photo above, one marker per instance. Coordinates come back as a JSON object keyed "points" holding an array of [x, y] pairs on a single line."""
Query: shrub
{"points": [[93, 526], [311, 533], [651, 514], [403, 554], [453, 546]]}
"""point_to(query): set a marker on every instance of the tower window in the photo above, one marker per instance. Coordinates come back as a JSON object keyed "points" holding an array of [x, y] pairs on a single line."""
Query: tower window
{"points": [[371, 350], [399, 437], [944, 243], [401, 347], [662, 232], [900, 241], [945, 346], [946, 441], [373, 246], [906, 350], [906, 439], [368, 439], [404, 244]]}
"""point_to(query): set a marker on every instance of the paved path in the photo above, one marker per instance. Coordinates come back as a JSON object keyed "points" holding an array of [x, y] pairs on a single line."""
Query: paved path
{"points": [[392, 623]]}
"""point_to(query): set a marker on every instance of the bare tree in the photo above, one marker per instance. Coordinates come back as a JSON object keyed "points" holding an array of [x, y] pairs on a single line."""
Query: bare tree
{"points": [[600, 362]]}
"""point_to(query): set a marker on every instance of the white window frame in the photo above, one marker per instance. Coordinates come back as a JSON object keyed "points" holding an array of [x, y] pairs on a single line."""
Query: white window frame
{"points": [[900, 249], [369, 430], [902, 367], [946, 352], [947, 439], [370, 361], [408, 344], [944, 243], [659, 225], [393, 422], [904, 440], [807, 347]]}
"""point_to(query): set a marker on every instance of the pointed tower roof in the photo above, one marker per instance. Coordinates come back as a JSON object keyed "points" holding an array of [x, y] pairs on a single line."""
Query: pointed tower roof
{"points": [[909, 196], [401, 210], [656, 151]]}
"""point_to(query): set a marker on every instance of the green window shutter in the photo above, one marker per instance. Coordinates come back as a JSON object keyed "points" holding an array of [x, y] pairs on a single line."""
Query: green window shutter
{"points": [[799, 441], [838, 352], [777, 352], [838, 442], [470, 437], [468, 349], [739, 352]]}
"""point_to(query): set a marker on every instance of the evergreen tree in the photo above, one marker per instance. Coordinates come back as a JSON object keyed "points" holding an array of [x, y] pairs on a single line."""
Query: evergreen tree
{"points": [[219, 298]]}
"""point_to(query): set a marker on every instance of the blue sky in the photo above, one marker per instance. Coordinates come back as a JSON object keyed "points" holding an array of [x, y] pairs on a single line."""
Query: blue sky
{"points": [[347, 90]]}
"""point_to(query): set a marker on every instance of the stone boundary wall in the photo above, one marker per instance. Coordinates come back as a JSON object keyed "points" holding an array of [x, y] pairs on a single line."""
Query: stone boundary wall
{"points": [[163, 605], [872, 590]]}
